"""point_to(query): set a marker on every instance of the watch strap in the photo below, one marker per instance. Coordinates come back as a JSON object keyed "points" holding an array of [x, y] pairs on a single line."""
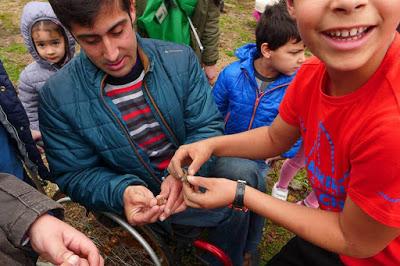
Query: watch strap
{"points": [[238, 202]]}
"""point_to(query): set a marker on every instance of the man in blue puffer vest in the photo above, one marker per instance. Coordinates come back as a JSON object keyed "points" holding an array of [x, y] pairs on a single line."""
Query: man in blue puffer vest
{"points": [[113, 117]]}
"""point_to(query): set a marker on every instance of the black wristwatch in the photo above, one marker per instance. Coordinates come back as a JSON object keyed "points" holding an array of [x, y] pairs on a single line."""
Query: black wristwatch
{"points": [[238, 202]]}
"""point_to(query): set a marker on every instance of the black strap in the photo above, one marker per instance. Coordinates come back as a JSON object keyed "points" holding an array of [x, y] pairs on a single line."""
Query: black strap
{"points": [[238, 202]]}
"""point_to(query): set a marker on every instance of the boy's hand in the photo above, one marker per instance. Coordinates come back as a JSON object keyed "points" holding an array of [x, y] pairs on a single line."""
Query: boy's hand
{"points": [[220, 192], [141, 206], [194, 155]]}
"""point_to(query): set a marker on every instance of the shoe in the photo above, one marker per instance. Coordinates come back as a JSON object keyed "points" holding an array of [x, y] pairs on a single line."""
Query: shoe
{"points": [[279, 193]]}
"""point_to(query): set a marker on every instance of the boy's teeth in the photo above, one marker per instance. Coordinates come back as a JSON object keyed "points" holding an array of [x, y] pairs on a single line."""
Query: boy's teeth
{"points": [[353, 32], [347, 33]]}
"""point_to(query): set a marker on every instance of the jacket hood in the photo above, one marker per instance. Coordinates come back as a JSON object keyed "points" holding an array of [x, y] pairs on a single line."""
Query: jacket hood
{"points": [[37, 11], [247, 52]]}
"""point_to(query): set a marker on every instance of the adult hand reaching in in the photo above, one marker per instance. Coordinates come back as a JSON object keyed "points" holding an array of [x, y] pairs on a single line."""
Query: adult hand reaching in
{"points": [[61, 244]]}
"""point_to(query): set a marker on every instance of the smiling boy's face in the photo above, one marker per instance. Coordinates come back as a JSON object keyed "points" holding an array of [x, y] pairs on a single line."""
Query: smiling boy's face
{"points": [[348, 35]]}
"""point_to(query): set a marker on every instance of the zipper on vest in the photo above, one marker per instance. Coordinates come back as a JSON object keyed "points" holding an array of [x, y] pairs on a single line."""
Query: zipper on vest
{"points": [[126, 133]]}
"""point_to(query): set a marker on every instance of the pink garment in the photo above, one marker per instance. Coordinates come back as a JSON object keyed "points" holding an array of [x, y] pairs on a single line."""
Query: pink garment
{"points": [[256, 15], [290, 168], [311, 200]]}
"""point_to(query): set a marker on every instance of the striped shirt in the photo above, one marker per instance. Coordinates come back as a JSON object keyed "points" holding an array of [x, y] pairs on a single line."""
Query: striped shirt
{"points": [[127, 94]]}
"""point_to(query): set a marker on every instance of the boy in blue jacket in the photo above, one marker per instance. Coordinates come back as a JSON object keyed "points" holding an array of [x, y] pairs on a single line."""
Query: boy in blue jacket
{"points": [[249, 91]]}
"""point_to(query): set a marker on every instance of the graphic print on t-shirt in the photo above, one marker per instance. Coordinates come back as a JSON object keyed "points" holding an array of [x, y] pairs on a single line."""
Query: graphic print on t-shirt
{"points": [[330, 190]]}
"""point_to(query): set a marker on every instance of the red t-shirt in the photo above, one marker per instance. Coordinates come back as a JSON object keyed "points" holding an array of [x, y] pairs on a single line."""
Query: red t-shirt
{"points": [[352, 144]]}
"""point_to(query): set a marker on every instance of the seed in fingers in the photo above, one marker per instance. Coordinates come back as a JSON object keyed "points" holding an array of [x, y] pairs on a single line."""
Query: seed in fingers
{"points": [[161, 200]]}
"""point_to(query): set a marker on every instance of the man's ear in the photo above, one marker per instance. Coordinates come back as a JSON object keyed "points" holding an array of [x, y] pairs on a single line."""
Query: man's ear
{"points": [[265, 51], [290, 8], [132, 11]]}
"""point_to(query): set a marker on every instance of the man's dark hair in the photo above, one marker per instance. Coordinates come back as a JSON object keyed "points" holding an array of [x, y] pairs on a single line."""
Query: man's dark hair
{"points": [[276, 27], [83, 12]]}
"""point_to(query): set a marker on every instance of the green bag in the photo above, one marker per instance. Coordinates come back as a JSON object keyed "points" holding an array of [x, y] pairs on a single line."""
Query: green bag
{"points": [[168, 20]]}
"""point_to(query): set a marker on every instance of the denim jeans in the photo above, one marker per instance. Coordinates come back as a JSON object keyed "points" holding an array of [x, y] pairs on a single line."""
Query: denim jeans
{"points": [[263, 168], [233, 231]]}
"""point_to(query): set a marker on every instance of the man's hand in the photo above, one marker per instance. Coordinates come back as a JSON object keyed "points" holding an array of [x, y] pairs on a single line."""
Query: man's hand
{"points": [[211, 73], [62, 244], [171, 189], [141, 206], [194, 155], [220, 192]]}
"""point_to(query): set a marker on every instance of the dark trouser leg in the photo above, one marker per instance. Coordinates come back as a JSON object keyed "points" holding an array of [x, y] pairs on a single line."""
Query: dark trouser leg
{"points": [[229, 229], [298, 252], [231, 237]]}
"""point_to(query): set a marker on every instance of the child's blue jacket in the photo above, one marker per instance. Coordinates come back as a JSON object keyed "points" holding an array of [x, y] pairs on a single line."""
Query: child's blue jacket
{"points": [[239, 101]]}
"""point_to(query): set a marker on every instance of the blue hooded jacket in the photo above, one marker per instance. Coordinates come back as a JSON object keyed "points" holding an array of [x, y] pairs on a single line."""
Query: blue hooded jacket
{"points": [[237, 97]]}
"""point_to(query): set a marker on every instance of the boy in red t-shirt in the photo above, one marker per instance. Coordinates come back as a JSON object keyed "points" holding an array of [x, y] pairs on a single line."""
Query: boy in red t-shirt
{"points": [[346, 105]]}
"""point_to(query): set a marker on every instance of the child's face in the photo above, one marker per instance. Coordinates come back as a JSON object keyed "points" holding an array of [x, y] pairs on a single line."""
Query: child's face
{"points": [[348, 35], [50, 45], [287, 58]]}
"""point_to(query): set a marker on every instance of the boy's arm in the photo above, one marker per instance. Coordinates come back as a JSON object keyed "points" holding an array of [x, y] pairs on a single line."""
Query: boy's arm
{"points": [[259, 143], [351, 232]]}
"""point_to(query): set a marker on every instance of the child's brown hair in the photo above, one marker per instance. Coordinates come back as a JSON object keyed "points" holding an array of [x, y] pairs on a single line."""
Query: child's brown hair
{"points": [[49, 26]]}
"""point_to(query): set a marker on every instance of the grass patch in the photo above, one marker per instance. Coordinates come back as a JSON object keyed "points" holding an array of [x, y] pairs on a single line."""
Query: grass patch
{"points": [[229, 53], [17, 48], [11, 58], [7, 22], [13, 68]]}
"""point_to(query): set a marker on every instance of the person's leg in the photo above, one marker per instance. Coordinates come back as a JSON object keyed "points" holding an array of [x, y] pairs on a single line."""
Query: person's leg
{"points": [[290, 168], [249, 233], [263, 169], [288, 171], [228, 229], [311, 200], [298, 252]]}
